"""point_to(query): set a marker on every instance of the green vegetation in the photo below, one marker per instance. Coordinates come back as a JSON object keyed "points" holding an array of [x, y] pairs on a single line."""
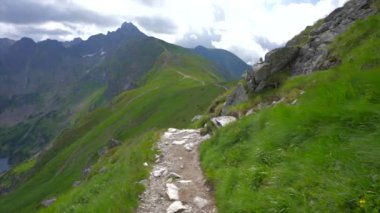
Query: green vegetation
{"points": [[113, 185], [25, 166], [178, 87], [26, 138], [321, 154]]}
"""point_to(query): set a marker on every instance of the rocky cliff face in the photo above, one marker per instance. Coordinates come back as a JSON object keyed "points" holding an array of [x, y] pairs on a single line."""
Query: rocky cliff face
{"points": [[308, 51], [314, 55]]}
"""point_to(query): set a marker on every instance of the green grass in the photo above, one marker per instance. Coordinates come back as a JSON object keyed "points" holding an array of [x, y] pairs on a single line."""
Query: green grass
{"points": [[320, 155], [116, 189], [165, 100], [24, 166]]}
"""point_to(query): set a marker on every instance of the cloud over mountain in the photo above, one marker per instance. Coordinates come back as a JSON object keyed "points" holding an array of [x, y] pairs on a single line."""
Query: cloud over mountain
{"points": [[157, 24], [37, 12], [249, 27]]}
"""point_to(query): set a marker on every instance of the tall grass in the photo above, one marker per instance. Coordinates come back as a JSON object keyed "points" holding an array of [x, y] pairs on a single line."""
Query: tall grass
{"points": [[320, 155]]}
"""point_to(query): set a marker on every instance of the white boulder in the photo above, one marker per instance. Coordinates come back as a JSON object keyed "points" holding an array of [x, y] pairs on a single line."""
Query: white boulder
{"points": [[223, 120], [180, 142], [175, 207], [172, 191]]}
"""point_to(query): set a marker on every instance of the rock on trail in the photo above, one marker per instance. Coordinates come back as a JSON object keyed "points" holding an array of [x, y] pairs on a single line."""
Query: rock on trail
{"points": [[176, 183]]}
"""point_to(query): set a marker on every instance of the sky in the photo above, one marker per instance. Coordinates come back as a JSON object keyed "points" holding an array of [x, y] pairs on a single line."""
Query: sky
{"points": [[248, 28]]}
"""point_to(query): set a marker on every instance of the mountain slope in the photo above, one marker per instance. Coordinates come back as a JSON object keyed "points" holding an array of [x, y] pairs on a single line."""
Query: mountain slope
{"points": [[44, 85], [179, 86], [312, 144], [229, 65]]}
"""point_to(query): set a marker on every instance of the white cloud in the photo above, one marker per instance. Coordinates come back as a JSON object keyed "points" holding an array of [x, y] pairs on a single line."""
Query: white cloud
{"points": [[235, 25]]}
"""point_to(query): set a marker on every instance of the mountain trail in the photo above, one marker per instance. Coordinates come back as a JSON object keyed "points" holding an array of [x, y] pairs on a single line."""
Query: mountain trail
{"points": [[176, 183], [191, 77]]}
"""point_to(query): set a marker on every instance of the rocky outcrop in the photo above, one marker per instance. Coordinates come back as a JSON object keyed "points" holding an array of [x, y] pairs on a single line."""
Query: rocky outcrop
{"points": [[239, 95], [275, 61], [309, 51], [223, 120], [315, 54]]}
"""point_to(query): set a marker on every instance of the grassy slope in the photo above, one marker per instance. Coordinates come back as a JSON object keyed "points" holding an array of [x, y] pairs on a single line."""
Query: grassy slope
{"points": [[27, 137], [320, 155], [167, 99]]}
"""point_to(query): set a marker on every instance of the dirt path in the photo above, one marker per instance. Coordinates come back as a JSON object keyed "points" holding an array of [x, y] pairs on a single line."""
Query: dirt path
{"points": [[191, 77], [176, 183]]}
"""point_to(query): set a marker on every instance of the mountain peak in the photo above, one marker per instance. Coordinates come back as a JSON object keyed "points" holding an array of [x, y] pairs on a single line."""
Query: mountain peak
{"points": [[26, 40], [127, 29], [128, 26], [200, 47]]}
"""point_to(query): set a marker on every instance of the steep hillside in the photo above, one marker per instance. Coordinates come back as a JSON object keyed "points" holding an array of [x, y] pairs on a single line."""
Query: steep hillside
{"points": [[44, 84], [311, 145], [230, 66], [178, 87]]}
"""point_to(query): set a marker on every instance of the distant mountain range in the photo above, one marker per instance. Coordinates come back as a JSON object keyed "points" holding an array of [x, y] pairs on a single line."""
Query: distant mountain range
{"points": [[49, 79], [27, 66], [228, 64]]}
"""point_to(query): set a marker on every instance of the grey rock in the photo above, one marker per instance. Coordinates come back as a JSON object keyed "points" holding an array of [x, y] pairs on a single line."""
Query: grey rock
{"points": [[103, 169], [113, 143], [76, 183], [87, 171], [249, 112], [280, 58], [196, 118], [223, 120], [189, 147], [327, 37], [315, 54], [275, 61], [102, 151], [158, 172], [200, 202], [252, 84], [48, 202], [261, 71], [174, 175], [261, 86], [238, 96], [172, 191]]}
